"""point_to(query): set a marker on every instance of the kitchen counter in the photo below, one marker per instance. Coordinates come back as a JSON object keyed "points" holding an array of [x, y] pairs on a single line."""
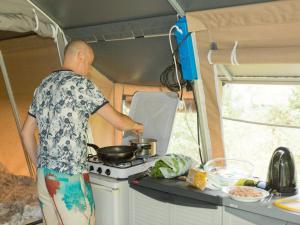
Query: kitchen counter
{"points": [[179, 192]]}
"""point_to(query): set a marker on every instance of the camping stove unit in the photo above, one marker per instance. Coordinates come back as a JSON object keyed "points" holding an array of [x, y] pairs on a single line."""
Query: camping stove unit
{"points": [[121, 170]]}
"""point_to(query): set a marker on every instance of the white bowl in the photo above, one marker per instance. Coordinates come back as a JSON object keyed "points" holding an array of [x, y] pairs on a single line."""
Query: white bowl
{"points": [[264, 194]]}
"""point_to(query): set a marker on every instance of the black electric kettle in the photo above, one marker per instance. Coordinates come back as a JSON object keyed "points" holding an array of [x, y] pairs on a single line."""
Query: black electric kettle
{"points": [[282, 172]]}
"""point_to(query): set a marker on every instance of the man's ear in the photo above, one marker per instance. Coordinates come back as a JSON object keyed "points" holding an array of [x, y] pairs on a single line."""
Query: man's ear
{"points": [[80, 56]]}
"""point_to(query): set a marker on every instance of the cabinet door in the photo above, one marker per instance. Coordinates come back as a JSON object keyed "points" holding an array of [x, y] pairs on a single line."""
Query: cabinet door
{"points": [[240, 217], [105, 205], [147, 211], [185, 215]]}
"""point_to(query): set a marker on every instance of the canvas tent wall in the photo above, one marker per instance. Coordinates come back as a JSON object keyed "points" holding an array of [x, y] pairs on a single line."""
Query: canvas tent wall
{"points": [[28, 60], [266, 33]]}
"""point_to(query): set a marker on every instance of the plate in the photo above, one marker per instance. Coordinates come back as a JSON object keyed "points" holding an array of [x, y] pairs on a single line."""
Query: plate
{"points": [[245, 193]]}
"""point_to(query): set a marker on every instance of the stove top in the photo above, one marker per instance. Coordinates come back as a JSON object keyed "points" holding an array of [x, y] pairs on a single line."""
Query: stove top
{"points": [[121, 170], [127, 164]]}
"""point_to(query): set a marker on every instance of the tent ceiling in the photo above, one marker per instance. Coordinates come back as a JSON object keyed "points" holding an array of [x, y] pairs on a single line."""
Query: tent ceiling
{"points": [[19, 7], [192, 5], [78, 13], [138, 61], [102, 20]]}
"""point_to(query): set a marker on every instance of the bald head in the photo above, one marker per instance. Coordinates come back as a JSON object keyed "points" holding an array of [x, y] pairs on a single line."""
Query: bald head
{"points": [[78, 57]]}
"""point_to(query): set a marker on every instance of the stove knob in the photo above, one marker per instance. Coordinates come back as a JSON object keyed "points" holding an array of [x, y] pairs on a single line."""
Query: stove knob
{"points": [[107, 172], [99, 170], [91, 168]]}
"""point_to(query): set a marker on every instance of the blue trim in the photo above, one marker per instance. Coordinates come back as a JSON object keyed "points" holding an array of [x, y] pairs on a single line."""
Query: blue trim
{"points": [[31, 114], [100, 106]]}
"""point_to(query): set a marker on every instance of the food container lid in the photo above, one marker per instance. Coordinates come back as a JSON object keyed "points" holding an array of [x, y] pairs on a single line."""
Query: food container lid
{"points": [[156, 110], [229, 171]]}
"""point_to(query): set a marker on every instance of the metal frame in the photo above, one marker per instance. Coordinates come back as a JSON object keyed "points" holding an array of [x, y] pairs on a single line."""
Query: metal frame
{"points": [[15, 113], [60, 44], [177, 6], [60, 40], [225, 71]]}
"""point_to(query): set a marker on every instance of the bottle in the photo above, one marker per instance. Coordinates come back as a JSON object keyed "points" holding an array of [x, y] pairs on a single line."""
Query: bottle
{"points": [[263, 185]]}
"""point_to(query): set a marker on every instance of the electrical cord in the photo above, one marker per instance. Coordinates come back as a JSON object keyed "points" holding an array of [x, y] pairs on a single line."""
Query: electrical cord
{"points": [[167, 79], [174, 57], [198, 127]]}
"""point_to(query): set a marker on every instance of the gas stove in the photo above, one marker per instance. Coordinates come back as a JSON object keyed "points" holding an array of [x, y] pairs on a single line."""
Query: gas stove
{"points": [[156, 110], [121, 170]]}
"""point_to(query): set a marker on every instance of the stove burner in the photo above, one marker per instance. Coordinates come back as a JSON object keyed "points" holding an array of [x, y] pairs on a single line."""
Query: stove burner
{"points": [[93, 158], [127, 164]]}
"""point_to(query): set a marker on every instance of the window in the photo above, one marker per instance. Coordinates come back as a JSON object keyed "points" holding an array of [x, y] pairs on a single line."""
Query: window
{"points": [[257, 119], [183, 138]]}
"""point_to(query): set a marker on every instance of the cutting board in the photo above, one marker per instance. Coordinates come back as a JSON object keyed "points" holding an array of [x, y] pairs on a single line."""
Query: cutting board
{"points": [[290, 203]]}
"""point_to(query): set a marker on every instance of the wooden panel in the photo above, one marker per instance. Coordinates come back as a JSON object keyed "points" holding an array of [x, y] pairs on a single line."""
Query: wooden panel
{"points": [[118, 97], [103, 132]]}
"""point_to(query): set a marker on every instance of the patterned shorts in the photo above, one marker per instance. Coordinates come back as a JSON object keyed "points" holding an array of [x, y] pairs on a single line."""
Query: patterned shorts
{"points": [[65, 199]]}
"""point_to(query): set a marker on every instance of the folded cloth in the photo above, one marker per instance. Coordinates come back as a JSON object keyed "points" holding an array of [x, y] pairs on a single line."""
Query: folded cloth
{"points": [[171, 165]]}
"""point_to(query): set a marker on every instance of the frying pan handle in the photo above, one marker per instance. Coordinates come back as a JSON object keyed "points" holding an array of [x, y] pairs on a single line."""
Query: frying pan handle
{"points": [[93, 146]]}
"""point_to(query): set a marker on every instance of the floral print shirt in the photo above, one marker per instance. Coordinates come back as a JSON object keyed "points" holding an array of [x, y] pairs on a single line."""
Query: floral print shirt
{"points": [[62, 104]]}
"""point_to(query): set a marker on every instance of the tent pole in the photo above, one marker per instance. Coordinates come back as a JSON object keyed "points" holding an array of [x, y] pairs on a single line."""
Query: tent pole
{"points": [[15, 112], [60, 44], [60, 40], [206, 148], [177, 6]]}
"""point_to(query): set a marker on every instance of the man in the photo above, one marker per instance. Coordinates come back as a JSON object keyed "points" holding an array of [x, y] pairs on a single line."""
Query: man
{"points": [[60, 109]]}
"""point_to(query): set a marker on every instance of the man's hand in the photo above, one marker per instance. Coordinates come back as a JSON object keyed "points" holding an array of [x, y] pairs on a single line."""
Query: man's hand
{"points": [[138, 128]]}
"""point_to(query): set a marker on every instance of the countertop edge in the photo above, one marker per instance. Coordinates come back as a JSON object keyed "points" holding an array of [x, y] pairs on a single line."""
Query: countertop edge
{"points": [[218, 198]]}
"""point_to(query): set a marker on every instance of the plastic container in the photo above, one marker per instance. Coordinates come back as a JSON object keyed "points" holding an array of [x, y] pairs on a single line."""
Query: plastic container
{"points": [[229, 171]]}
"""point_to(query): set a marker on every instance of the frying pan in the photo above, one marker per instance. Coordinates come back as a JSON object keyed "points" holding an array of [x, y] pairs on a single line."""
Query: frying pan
{"points": [[115, 154]]}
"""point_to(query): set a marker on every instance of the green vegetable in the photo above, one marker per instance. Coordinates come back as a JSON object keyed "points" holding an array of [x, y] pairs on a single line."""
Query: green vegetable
{"points": [[170, 166], [155, 170]]}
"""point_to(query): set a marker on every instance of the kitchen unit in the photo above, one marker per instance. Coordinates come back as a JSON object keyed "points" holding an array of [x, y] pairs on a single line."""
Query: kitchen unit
{"points": [[175, 202], [146, 210], [111, 200]]}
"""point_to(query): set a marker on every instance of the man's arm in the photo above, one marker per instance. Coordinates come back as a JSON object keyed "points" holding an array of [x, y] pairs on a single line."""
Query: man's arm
{"points": [[119, 120], [28, 137]]}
